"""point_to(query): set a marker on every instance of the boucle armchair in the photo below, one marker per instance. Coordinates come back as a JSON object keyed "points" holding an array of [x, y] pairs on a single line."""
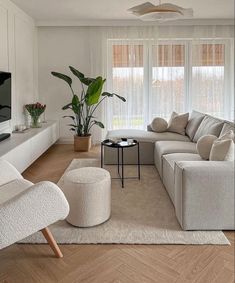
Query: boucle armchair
{"points": [[26, 208]]}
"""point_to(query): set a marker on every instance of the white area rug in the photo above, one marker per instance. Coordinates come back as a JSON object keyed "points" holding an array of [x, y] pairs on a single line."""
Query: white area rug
{"points": [[142, 213]]}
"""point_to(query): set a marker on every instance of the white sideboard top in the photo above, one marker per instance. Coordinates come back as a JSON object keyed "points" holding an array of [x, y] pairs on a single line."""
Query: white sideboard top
{"points": [[17, 139]]}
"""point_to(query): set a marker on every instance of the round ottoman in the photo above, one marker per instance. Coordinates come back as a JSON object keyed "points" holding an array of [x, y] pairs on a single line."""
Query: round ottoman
{"points": [[88, 191]]}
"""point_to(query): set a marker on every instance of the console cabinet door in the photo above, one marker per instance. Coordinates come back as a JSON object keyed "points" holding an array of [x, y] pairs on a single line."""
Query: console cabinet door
{"points": [[40, 143]]}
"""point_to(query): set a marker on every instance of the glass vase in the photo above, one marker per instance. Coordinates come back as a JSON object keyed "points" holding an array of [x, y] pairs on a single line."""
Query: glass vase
{"points": [[35, 122]]}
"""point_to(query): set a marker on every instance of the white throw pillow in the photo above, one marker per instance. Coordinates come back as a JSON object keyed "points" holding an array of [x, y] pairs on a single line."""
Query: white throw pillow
{"points": [[204, 145], [159, 125], [222, 150], [178, 123], [227, 136]]}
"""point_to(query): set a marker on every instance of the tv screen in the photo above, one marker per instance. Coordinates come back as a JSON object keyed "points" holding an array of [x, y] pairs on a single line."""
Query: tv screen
{"points": [[5, 96]]}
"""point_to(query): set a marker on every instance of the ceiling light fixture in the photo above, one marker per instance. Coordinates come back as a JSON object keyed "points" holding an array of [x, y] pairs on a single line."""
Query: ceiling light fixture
{"points": [[161, 12]]}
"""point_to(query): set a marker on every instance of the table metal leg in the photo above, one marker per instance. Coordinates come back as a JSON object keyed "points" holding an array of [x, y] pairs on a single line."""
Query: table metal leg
{"points": [[122, 170], [118, 159], [139, 161], [101, 156]]}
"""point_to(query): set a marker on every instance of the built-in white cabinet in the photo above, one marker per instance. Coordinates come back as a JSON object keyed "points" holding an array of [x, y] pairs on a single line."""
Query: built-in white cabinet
{"points": [[22, 149]]}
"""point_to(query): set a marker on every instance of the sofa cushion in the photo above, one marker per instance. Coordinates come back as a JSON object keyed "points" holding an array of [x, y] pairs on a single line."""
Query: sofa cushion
{"points": [[194, 122], [145, 136], [228, 126], [159, 125], [204, 145], [175, 157], [169, 161], [13, 188], [223, 148], [167, 147], [209, 126], [178, 123]]}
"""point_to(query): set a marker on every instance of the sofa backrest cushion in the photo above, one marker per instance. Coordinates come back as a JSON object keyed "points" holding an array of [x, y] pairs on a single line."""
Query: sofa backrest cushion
{"points": [[194, 122], [228, 126], [209, 126]]}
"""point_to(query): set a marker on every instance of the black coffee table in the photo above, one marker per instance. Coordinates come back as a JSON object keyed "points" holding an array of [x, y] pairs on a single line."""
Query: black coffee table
{"points": [[120, 145]]}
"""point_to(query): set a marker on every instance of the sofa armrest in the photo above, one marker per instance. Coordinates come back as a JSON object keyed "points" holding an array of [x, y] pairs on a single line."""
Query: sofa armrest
{"points": [[30, 211], [204, 194]]}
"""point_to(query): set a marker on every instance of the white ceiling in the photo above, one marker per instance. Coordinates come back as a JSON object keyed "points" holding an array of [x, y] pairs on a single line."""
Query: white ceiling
{"points": [[74, 10]]}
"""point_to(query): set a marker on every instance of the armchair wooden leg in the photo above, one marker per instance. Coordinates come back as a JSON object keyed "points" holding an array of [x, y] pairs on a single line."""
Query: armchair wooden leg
{"points": [[51, 241]]}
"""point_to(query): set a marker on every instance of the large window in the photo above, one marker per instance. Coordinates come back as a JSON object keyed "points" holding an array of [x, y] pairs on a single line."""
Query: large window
{"points": [[159, 77]]}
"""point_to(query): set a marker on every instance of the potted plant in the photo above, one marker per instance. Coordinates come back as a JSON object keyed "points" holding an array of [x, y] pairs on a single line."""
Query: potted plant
{"points": [[84, 106]]}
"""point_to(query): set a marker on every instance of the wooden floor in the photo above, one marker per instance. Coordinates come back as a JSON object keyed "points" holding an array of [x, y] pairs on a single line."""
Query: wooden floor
{"points": [[110, 263]]}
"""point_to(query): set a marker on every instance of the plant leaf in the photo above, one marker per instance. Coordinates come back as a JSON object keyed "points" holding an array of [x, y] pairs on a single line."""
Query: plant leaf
{"points": [[87, 81], [76, 73], [94, 91], [108, 94], [67, 106], [101, 125], [66, 78], [72, 129], [76, 104], [72, 117], [81, 76], [120, 97]]}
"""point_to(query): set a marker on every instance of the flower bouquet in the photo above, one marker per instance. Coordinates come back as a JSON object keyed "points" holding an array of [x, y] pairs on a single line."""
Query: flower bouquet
{"points": [[35, 110]]}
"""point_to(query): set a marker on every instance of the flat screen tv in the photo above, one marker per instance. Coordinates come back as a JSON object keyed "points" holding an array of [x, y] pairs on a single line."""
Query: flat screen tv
{"points": [[5, 96]]}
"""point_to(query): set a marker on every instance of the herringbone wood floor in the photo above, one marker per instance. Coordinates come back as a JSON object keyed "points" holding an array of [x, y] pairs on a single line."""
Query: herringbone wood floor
{"points": [[110, 263]]}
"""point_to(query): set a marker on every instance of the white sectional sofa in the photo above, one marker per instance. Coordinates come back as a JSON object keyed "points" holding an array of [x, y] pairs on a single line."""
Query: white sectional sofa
{"points": [[201, 191]]}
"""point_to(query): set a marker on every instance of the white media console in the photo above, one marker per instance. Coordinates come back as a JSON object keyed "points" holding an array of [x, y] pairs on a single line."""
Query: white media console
{"points": [[22, 149]]}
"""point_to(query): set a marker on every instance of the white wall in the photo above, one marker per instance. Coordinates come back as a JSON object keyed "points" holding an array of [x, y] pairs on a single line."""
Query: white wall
{"points": [[18, 55], [58, 49]]}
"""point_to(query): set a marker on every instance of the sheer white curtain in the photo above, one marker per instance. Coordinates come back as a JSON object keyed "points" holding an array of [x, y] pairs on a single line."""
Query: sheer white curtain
{"points": [[162, 68], [167, 89], [208, 77], [126, 78]]}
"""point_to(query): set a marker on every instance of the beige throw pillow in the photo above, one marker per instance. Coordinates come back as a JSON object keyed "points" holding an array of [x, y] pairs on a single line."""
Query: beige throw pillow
{"points": [[178, 123], [223, 148], [204, 145], [159, 125], [227, 136]]}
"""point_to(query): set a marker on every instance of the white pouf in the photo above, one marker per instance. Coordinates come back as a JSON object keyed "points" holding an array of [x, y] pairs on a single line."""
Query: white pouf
{"points": [[88, 191]]}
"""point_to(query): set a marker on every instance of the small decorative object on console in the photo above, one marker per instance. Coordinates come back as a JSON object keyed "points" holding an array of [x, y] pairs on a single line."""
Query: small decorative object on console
{"points": [[20, 128], [35, 110]]}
